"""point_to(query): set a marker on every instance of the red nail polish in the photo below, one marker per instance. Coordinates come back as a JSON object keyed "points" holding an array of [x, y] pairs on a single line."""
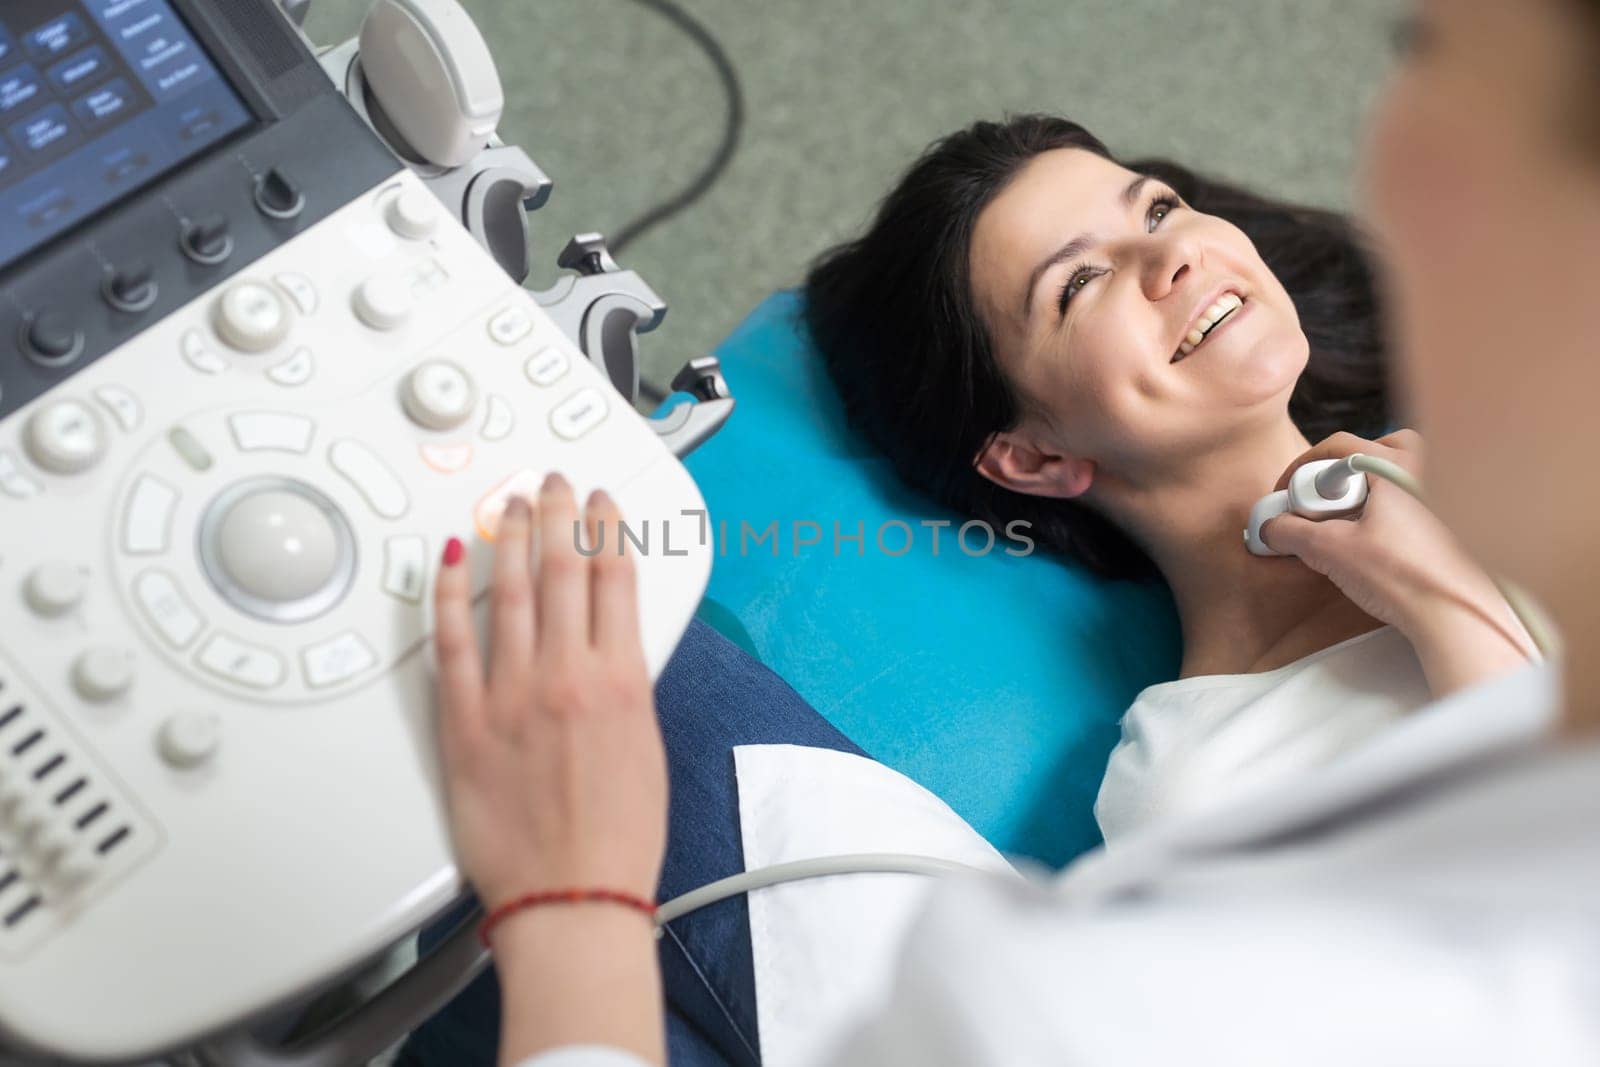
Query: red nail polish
{"points": [[453, 551]]}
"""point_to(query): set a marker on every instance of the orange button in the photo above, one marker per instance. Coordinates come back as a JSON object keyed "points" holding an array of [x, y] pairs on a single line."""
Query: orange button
{"points": [[486, 515], [446, 459]]}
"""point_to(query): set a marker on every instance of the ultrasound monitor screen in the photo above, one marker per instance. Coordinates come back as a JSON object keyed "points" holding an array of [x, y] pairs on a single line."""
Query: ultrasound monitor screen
{"points": [[97, 98]]}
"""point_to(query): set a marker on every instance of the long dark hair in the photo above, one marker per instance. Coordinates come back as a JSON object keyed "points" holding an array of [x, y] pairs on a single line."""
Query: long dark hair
{"points": [[894, 317]]}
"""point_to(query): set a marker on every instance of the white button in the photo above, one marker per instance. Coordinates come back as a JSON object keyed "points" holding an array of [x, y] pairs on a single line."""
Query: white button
{"points": [[199, 354], [546, 366], [66, 437], [300, 290], [296, 370], [55, 588], [511, 325], [189, 738], [438, 395], [146, 523], [371, 477], [103, 673], [189, 449], [168, 609], [413, 213], [271, 431], [405, 567], [13, 482], [123, 405], [446, 459], [252, 317], [578, 414], [229, 658], [334, 661], [382, 303], [499, 420]]}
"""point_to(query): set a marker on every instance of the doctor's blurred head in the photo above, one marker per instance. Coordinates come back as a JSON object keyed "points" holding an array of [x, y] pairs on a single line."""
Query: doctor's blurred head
{"points": [[1484, 185]]}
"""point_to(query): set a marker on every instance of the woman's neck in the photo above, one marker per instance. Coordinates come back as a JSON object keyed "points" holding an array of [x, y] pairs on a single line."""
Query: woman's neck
{"points": [[1239, 613]]}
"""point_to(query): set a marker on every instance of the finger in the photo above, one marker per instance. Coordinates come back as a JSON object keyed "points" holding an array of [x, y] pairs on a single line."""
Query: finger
{"points": [[613, 580], [1335, 446], [1316, 544], [455, 642], [561, 589], [1404, 438], [511, 599], [1406, 449]]}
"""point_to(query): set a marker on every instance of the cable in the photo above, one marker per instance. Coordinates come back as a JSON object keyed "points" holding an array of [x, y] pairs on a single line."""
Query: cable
{"points": [[1331, 481], [732, 127], [1532, 619], [800, 870]]}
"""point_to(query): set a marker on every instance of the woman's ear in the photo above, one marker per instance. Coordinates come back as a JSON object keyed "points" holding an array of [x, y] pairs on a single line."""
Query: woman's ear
{"points": [[1019, 464]]}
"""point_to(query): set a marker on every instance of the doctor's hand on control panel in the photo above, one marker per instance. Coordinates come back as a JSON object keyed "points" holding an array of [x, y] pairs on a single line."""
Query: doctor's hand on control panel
{"points": [[555, 771]]}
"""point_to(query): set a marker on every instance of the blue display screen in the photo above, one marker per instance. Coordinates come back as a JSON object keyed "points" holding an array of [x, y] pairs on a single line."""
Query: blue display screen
{"points": [[97, 98]]}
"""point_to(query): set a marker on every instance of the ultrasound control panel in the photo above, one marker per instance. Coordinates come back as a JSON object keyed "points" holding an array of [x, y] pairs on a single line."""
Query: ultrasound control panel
{"points": [[246, 394]]}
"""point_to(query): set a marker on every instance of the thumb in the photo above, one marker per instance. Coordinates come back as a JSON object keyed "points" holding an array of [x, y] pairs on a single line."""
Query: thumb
{"points": [[1295, 535]]}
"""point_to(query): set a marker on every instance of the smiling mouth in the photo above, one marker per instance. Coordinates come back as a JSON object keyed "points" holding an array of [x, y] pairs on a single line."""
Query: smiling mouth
{"points": [[1210, 319]]}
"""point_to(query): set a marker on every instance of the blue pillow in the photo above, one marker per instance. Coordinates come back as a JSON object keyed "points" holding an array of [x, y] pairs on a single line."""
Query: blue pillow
{"points": [[995, 680]]}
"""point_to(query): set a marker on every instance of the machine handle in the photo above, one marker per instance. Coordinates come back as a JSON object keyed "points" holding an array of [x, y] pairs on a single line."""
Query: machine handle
{"points": [[688, 426], [398, 1009]]}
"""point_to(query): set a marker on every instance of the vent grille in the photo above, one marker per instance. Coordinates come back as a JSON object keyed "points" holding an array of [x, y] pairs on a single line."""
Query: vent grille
{"points": [[267, 35], [63, 832]]}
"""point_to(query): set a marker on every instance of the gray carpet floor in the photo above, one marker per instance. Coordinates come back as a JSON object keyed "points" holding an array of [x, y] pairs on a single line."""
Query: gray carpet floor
{"points": [[620, 109]]}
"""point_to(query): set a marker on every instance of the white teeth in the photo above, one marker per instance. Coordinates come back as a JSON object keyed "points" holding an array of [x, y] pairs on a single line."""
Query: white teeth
{"points": [[1214, 314]]}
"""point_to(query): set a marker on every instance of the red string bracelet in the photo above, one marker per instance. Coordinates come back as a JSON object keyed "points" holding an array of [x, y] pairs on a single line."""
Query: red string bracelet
{"points": [[561, 896]]}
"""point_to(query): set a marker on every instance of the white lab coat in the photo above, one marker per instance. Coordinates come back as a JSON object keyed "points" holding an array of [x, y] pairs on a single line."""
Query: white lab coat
{"points": [[1431, 899]]}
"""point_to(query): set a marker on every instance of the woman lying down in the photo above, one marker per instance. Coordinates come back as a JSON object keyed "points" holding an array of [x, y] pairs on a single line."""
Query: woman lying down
{"points": [[1128, 358]]}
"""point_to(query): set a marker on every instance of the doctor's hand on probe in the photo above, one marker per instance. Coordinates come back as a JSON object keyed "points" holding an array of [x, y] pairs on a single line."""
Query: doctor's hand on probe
{"points": [[1398, 563], [556, 776]]}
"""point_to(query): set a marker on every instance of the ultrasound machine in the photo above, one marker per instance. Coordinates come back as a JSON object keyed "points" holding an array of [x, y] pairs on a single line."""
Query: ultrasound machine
{"points": [[264, 347]]}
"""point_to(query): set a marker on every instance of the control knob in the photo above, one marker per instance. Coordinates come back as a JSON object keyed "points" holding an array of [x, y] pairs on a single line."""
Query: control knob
{"points": [[131, 287], [277, 196], [103, 673], [382, 302], [55, 588], [207, 240], [438, 395], [51, 338], [413, 213], [252, 317], [66, 437]]}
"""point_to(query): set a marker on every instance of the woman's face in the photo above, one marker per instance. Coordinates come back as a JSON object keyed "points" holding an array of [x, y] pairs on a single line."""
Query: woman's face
{"points": [[1484, 183], [1092, 281]]}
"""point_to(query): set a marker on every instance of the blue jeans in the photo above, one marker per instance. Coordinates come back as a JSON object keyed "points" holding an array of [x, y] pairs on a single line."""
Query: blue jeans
{"points": [[711, 697]]}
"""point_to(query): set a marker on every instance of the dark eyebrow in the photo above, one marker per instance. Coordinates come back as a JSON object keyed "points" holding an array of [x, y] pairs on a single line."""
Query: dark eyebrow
{"points": [[1075, 247], [1130, 195]]}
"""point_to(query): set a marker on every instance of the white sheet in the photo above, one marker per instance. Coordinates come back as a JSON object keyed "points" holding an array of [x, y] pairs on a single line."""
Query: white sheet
{"points": [[825, 949]]}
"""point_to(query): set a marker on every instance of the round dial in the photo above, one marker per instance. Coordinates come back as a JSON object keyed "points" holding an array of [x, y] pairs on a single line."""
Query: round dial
{"points": [[438, 395], [413, 214], [382, 303], [66, 437], [252, 317]]}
